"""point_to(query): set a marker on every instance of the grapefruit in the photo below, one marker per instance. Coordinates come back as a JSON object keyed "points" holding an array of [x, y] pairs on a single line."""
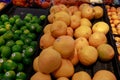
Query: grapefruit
{"points": [[105, 52], [97, 38], [40, 76], [49, 60], [88, 55], [65, 70], [64, 45], [104, 75], [81, 75]]}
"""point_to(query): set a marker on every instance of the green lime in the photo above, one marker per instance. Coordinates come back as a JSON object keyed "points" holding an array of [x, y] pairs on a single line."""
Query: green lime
{"points": [[32, 28], [23, 36], [28, 25], [2, 41], [7, 22], [21, 75], [42, 17], [3, 60], [29, 14], [12, 20], [19, 42], [9, 75], [26, 31], [34, 19], [32, 36], [23, 28], [16, 48], [20, 67], [14, 28], [24, 46], [9, 65], [16, 37], [2, 26], [27, 41], [8, 27], [4, 17], [27, 18], [10, 43], [19, 22], [18, 32], [16, 17], [16, 56], [29, 51], [33, 44], [39, 29], [2, 31], [8, 35], [27, 61], [5, 51]]}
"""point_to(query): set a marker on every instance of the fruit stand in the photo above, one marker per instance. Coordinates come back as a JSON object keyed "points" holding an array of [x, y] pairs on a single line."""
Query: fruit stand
{"points": [[60, 40]]}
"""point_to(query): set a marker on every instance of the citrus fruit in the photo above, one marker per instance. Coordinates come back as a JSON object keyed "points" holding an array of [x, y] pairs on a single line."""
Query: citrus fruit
{"points": [[19, 42], [23, 36], [26, 31], [10, 43], [11, 20], [2, 30], [39, 29], [33, 44], [2, 41], [29, 51], [27, 61], [16, 48], [42, 17], [16, 17], [21, 75], [27, 18], [32, 36], [9, 65], [9, 75], [20, 67], [16, 56], [18, 32], [27, 41], [8, 35], [4, 17], [5, 51]]}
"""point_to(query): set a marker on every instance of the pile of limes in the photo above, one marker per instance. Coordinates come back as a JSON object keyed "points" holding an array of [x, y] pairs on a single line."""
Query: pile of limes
{"points": [[18, 42]]}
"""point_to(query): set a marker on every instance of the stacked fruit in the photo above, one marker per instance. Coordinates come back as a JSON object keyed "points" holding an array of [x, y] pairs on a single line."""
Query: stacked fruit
{"points": [[29, 3], [18, 41], [22, 3], [70, 39], [114, 17]]}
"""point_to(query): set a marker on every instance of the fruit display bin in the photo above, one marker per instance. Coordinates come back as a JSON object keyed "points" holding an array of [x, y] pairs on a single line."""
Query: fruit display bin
{"points": [[114, 22], [12, 10], [112, 65]]}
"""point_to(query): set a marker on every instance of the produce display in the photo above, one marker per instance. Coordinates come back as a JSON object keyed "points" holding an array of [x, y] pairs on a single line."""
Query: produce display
{"points": [[60, 40], [70, 39], [18, 43], [114, 17], [32, 3]]}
